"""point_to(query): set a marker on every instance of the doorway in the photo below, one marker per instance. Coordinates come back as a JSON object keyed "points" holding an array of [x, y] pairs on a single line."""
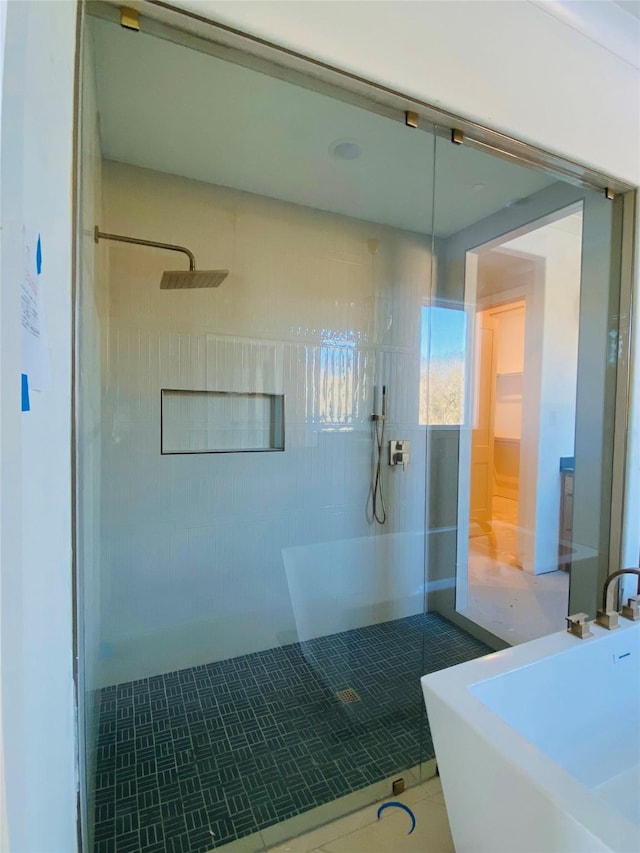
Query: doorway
{"points": [[522, 429], [496, 434]]}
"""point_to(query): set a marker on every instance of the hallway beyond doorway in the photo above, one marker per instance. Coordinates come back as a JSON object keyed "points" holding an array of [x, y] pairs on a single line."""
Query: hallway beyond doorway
{"points": [[514, 605]]}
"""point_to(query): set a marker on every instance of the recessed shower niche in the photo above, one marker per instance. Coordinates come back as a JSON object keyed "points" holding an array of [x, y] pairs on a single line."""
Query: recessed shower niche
{"points": [[220, 421]]}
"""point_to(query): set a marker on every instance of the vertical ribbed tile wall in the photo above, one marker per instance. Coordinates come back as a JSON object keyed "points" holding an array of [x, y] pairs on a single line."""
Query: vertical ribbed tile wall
{"points": [[197, 550]]}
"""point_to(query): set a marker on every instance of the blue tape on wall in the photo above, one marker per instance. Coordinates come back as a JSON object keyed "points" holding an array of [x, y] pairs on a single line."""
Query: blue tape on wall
{"points": [[395, 805], [39, 256], [25, 393]]}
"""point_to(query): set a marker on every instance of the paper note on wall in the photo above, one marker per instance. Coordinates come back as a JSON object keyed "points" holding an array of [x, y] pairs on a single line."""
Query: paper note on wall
{"points": [[35, 348]]}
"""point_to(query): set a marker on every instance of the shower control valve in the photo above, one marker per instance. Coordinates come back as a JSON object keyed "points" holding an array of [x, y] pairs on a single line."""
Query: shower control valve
{"points": [[399, 452]]}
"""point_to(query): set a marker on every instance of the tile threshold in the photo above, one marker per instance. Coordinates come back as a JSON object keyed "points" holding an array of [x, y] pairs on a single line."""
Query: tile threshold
{"points": [[327, 818]]}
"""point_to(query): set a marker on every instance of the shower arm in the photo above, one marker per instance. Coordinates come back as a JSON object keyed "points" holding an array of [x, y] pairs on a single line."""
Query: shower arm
{"points": [[120, 238]]}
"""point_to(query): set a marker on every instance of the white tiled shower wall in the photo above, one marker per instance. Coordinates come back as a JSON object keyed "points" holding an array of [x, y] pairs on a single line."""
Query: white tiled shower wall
{"points": [[207, 556]]}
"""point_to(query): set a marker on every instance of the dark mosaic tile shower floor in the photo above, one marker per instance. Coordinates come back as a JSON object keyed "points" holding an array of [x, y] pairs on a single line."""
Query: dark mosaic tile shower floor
{"points": [[197, 758]]}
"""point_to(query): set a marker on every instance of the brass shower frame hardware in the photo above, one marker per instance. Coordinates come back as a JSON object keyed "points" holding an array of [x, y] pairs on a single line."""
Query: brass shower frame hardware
{"points": [[398, 786], [154, 244], [201, 32], [129, 18]]}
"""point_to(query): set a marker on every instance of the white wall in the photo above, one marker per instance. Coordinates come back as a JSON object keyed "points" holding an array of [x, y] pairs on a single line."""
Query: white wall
{"points": [[35, 448], [209, 556], [511, 66]]}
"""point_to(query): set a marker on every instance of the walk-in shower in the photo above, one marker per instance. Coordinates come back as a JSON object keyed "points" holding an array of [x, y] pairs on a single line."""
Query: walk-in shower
{"points": [[252, 636]]}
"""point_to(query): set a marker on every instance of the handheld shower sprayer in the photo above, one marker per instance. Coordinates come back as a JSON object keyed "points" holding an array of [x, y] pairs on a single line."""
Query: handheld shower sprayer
{"points": [[378, 508]]}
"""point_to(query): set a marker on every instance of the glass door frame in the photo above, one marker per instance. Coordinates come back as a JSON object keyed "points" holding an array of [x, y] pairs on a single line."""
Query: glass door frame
{"points": [[496, 236], [584, 591]]}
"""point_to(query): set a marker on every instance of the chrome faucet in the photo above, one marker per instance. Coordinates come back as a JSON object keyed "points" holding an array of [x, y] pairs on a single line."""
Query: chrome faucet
{"points": [[609, 618]]}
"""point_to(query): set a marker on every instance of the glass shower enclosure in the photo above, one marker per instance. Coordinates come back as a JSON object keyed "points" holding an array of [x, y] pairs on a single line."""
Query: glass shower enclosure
{"points": [[271, 469]]}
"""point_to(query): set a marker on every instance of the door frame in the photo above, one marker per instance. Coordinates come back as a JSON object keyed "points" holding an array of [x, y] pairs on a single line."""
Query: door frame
{"points": [[533, 295]]}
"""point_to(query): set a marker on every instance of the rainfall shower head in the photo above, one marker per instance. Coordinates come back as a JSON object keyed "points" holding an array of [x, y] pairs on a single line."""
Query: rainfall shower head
{"points": [[173, 279], [186, 279]]}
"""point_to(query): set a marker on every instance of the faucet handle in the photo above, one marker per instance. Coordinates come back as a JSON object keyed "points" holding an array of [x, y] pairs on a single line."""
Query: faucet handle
{"points": [[607, 619], [631, 610], [400, 452], [578, 625]]}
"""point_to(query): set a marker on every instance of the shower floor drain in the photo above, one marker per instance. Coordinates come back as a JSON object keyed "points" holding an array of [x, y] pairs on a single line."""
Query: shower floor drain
{"points": [[347, 696]]}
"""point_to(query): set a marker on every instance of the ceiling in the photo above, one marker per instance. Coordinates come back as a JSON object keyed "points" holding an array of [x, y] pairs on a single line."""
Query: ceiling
{"points": [[500, 266], [177, 110], [630, 6], [498, 271], [613, 24]]}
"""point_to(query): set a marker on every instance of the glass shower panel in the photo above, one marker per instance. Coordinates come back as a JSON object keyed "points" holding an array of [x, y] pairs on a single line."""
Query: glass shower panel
{"points": [[261, 560], [523, 332], [334, 470], [90, 342], [378, 446]]}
